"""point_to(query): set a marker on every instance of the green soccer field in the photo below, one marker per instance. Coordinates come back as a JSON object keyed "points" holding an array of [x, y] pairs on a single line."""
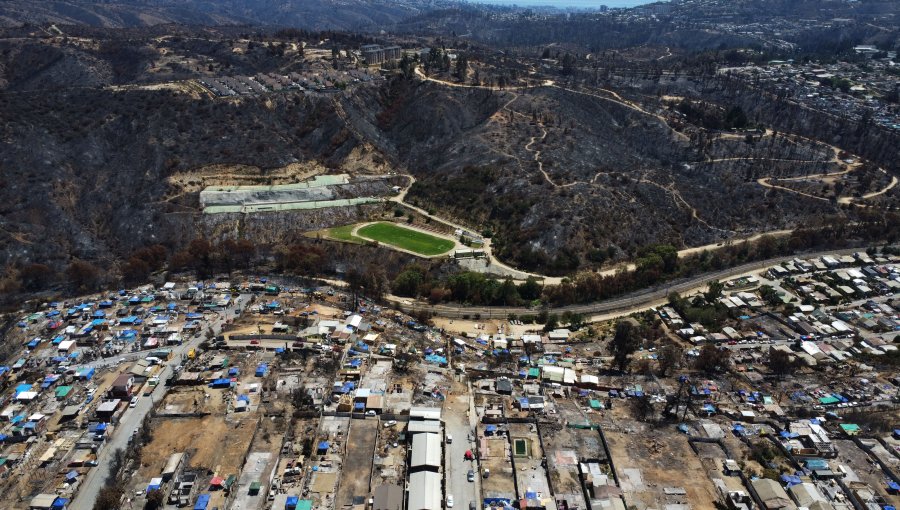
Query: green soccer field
{"points": [[407, 239]]}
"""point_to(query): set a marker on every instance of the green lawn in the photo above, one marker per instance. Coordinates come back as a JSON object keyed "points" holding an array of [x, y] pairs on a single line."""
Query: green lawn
{"points": [[345, 234], [407, 239]]}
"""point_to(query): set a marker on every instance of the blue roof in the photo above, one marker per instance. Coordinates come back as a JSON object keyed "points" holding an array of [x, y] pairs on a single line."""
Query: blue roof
{"points": [[59, 503], [323, 445], [491, 428]]}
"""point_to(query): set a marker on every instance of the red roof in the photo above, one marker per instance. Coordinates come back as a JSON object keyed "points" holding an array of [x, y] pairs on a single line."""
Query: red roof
{"points": [[217, 480]]}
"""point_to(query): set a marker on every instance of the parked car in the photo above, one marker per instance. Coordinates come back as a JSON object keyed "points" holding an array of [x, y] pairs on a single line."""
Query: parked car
{"points": [[470, 475], [449, 500]]}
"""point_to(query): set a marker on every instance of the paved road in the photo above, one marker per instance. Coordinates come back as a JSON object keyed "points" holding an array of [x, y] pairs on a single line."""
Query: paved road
{"points": [[631, 302], [456, 468], [132, 418]]}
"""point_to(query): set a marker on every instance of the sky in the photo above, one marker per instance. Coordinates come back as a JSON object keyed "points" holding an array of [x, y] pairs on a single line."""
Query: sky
{"points": [[582, 4]]}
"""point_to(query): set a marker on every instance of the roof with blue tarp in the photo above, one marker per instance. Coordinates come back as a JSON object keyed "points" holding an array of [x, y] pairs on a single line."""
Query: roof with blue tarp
{"points": [[202, 502], [23, 387], [53, 313], [99, 314], [244, 398], [32, 344], [359, 405], [233, 371], [98, 322], [323, 445], [894, 486], [59, 503], [355, 363], [193, 316], [490, 428], [128, 320], [791, 480], [292, 501], [434, 358], [58, 340]]}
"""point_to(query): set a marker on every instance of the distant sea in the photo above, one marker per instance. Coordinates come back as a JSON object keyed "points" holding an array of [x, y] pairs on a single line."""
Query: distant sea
{"points": [[568, 4]]}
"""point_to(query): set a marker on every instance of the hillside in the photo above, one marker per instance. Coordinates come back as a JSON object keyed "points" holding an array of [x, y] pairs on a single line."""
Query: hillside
{"points": [[311, 14]]}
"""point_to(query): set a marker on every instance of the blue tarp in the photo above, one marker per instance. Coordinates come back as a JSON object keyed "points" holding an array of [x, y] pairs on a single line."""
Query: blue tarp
{"points": [[490, 428], [233, 371], [434, 358], [23, 387], [193, 316], [32, 344], [791, 480], [359, 405], [128, 320], [202, 501], [323, 445], [59, 503], [894, 486], [220, 383], [292, 502], [71, 475]]}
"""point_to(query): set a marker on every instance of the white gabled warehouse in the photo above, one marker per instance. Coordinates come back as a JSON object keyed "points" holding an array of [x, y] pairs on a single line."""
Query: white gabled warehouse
{"points": [[424, 491], [426, 451]]}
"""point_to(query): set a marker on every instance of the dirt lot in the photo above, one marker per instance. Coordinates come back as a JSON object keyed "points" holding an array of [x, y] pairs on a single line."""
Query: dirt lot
{"points": [[649, 460], [213, 443], [195, 399], [354, 482]]}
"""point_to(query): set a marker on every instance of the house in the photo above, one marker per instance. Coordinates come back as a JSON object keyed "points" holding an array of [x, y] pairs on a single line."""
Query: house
{"points": [[805, 494], [122, 386], [772, 496]]}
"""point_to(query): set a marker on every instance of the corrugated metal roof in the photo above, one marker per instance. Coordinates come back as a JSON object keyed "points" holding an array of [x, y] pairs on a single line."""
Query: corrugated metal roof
{"points": [[426, 450], [424, 491]]}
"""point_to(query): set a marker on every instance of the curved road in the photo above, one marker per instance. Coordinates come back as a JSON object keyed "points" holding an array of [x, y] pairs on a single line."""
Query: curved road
{"points": [[634, 301]]}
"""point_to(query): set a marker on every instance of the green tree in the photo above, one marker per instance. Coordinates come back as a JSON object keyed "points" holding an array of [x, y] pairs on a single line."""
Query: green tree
{"points": [[462, 67], [713, 291], [407, 282], [551, 323], [624, 343], [530, 289]]}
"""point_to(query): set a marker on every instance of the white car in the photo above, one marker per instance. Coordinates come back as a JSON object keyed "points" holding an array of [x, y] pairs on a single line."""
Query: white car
{"points": [[134, 401], [449, 500]]}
